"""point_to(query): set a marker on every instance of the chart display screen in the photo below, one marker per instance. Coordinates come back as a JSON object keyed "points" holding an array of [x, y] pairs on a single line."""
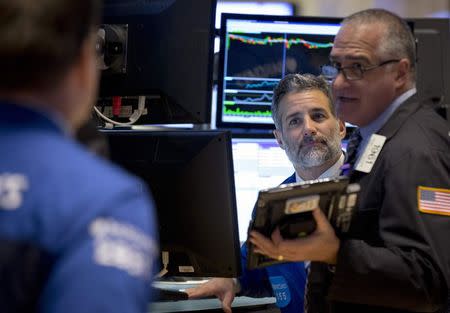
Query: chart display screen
{"points": [[257, 51]]}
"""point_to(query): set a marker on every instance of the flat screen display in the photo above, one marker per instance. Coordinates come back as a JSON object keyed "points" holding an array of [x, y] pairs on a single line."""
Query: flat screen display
{"points": [[256, 52]]}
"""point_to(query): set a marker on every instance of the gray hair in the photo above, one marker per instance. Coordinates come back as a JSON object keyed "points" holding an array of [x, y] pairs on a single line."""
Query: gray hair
{"points": [[298, 83], [398, 40]]}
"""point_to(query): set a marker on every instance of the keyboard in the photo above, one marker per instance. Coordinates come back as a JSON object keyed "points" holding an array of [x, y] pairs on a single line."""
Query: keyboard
{"points": [[172, 288], [163, 294]]}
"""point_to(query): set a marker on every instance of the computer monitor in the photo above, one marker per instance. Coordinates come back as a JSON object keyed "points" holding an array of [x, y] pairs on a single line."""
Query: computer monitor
{"points": [[433, 60], [256, 52], [190, 175], [162, 50]]}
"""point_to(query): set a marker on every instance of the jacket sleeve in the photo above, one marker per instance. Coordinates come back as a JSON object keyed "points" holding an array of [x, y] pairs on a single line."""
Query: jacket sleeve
{"points": [[254, 283]]}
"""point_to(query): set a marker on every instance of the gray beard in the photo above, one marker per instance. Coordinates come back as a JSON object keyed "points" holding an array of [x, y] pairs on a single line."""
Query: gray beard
{"points": [[307, 157], [314, 157]]}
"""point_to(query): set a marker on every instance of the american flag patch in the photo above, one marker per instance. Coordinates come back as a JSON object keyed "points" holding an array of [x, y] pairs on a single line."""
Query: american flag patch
{"points": [[434, 200]]}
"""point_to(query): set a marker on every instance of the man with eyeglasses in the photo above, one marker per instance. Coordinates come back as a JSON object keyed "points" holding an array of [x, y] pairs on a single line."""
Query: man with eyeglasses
{"points": [[352, 72], [396, 256]]}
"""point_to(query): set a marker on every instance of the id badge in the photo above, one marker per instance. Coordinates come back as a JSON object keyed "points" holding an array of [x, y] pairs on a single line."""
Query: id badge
{"points": [[369, 156], [281, 290]]}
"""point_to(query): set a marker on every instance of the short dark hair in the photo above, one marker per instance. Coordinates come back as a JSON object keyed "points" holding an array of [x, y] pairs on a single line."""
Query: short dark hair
{"points": [[299, 83], [41, 39], [398, 41]]}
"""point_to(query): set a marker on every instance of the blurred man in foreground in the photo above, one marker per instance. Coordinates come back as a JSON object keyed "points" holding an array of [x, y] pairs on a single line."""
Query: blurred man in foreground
{"points": [[90, 225]]}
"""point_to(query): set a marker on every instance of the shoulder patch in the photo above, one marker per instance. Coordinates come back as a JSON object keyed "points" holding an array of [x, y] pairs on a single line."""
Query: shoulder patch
{"points": [[433, 200], [12, 187], [123, 246]]}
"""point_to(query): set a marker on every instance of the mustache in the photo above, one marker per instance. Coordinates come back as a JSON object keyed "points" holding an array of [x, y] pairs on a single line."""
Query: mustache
{"points": [[307, 140]]}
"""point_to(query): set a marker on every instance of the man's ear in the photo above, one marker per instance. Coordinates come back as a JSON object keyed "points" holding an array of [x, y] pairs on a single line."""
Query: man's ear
{"points": [[85, 69], [342, 129], [403, 70], [83, 81], [279, 138]]}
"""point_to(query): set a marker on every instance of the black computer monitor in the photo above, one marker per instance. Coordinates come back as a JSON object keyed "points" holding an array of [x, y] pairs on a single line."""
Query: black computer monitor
{"points": [[162, 50], [433, 61], [190, 174], [256, 52]]}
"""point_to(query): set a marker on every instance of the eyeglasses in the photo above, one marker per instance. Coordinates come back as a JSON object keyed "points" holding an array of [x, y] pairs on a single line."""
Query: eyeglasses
{"points": [[353, 72]]}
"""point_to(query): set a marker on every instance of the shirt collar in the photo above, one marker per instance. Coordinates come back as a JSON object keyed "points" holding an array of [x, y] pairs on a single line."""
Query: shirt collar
{"points": [[55, 118], [332, 171]]}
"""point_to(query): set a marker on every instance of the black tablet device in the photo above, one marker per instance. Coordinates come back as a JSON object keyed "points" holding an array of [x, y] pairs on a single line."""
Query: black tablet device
{"points": [[289, 207]]}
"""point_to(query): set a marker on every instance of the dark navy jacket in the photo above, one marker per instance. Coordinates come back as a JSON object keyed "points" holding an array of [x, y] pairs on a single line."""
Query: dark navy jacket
{"points": [[95, 221], [396, 256]]}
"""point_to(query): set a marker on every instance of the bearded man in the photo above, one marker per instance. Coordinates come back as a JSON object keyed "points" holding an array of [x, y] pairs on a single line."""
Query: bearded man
{"points": [[307, 129]]}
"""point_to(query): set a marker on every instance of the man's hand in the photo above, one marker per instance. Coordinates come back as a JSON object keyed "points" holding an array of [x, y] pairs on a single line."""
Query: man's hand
{"points": [[321, 245], [222, 288]]}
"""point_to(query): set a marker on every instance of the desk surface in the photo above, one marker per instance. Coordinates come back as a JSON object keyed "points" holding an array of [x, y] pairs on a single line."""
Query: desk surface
{"points": [[246, 303], [243, 304]]}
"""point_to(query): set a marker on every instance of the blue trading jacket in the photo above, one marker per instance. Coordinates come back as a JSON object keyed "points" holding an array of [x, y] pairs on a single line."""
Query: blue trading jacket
{"points": [[96, 221], [284, 281]]}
